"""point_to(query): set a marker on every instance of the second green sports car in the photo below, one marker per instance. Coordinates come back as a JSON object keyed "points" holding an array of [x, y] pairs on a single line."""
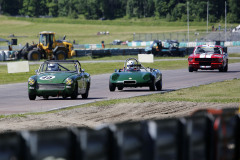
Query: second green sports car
{"points": [[56, 78], [135, 74]]}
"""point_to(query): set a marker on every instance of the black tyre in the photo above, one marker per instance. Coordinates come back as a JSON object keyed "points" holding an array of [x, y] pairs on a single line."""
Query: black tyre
{"points": [[112, 87], [75, 92], [32, 96], [152, 86], [190, 69], [221, 69], [34, 55], [60, 55], [225, 69], [159, 85], [85, 95], [120, 88]]}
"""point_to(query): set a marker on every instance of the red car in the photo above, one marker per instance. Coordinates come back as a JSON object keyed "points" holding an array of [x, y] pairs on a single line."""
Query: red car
{"points": [[208, 57]]}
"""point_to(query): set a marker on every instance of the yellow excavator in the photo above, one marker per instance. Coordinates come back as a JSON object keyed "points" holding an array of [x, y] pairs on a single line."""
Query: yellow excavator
{"points": [[48, 48]]}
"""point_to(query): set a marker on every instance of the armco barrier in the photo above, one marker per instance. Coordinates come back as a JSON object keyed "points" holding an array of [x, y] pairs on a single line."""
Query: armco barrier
{"points": [[204, 136]]}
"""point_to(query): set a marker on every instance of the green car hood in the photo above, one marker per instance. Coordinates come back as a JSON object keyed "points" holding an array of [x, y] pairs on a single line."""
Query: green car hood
{"points": [[53, 77]]}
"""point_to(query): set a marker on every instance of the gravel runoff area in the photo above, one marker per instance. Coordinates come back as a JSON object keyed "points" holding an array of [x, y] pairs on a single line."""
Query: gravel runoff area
{"points": [[96, 116]]}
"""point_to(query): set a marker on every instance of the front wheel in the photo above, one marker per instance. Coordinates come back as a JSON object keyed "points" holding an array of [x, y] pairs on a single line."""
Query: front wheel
{"points": [[225, 69], [85, 95], [75, 92], [159, 85], [32, 96], [190, 69], [112, 87], [34, 55], [120, 88], [152, 86]]}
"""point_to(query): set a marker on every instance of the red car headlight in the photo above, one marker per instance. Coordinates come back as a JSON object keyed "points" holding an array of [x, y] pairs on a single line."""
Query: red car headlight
{"points": [[220, 59], [190, 59]]}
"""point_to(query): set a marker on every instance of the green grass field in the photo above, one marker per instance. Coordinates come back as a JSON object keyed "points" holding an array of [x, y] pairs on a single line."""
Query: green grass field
{"points": [[204, 93], [85, 31]]}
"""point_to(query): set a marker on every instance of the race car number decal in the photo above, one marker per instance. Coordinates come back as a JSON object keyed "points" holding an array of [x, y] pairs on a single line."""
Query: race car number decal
{"points": [[47, 77]]}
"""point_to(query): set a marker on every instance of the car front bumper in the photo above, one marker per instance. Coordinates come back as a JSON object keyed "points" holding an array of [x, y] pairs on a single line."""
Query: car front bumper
{"points": [[51, 90], [206, 66]]}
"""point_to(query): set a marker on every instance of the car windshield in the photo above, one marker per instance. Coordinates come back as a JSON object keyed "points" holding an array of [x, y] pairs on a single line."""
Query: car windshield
{"points": [[215, 50], [59, 67]]}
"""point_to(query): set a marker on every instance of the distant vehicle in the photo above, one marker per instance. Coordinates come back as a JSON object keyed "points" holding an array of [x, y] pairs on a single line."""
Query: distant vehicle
{"points": [[59, 78], [116, 42], [170, 48], [48, 48], [236, 29], [208, 57], [135, 75]]}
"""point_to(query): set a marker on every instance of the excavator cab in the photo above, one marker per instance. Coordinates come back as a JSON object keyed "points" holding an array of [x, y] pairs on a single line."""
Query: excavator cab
{"points": [[47, 40]]}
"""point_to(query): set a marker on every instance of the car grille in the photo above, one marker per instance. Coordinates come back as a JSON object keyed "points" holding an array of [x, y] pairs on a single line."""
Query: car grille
{"points": [[129, 82], [206, 59], [60, 86], [205, 63]]}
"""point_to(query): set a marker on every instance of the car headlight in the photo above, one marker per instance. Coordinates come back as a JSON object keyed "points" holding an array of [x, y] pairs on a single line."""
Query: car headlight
{"points": [[220, 60], [115, 77], [69, 81], [146, 77], [31, 81], [190, 59]]}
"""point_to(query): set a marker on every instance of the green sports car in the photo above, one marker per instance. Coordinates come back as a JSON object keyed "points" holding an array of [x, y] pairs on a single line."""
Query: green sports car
{"points": [[135, 74], [63, 78]]}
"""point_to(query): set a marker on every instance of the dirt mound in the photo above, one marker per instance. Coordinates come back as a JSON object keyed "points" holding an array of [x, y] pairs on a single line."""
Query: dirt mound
{"points": [[96, 116]]}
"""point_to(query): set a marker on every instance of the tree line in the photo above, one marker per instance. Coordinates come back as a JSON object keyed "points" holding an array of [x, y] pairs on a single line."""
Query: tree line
{"points": [[171, 10]]}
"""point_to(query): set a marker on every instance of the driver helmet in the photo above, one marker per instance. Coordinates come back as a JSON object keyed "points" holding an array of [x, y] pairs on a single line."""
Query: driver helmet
{"points": [[53, 67], [130, 64]]}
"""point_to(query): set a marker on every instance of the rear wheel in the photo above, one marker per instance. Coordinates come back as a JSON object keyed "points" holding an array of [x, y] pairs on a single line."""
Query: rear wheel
{"points": [[60, 55], [75, 92], [112, 87], [34, 55], [32, 96], [159, 85], [85, 95]]}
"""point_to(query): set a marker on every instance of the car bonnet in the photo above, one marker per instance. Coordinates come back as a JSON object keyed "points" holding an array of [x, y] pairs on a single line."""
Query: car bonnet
{"points": [[58, 77]]}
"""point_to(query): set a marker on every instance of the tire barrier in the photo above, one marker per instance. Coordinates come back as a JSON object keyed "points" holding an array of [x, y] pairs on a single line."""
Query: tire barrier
{"points": [[108, 52], [206, 135]]}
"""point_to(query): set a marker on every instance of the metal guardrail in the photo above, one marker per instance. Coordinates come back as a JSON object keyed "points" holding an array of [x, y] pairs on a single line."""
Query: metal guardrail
{"points": [[208, 136]]}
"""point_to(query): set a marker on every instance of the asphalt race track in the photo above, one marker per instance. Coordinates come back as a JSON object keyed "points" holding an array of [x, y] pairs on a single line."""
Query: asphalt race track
{"points": [[14, 97]]}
